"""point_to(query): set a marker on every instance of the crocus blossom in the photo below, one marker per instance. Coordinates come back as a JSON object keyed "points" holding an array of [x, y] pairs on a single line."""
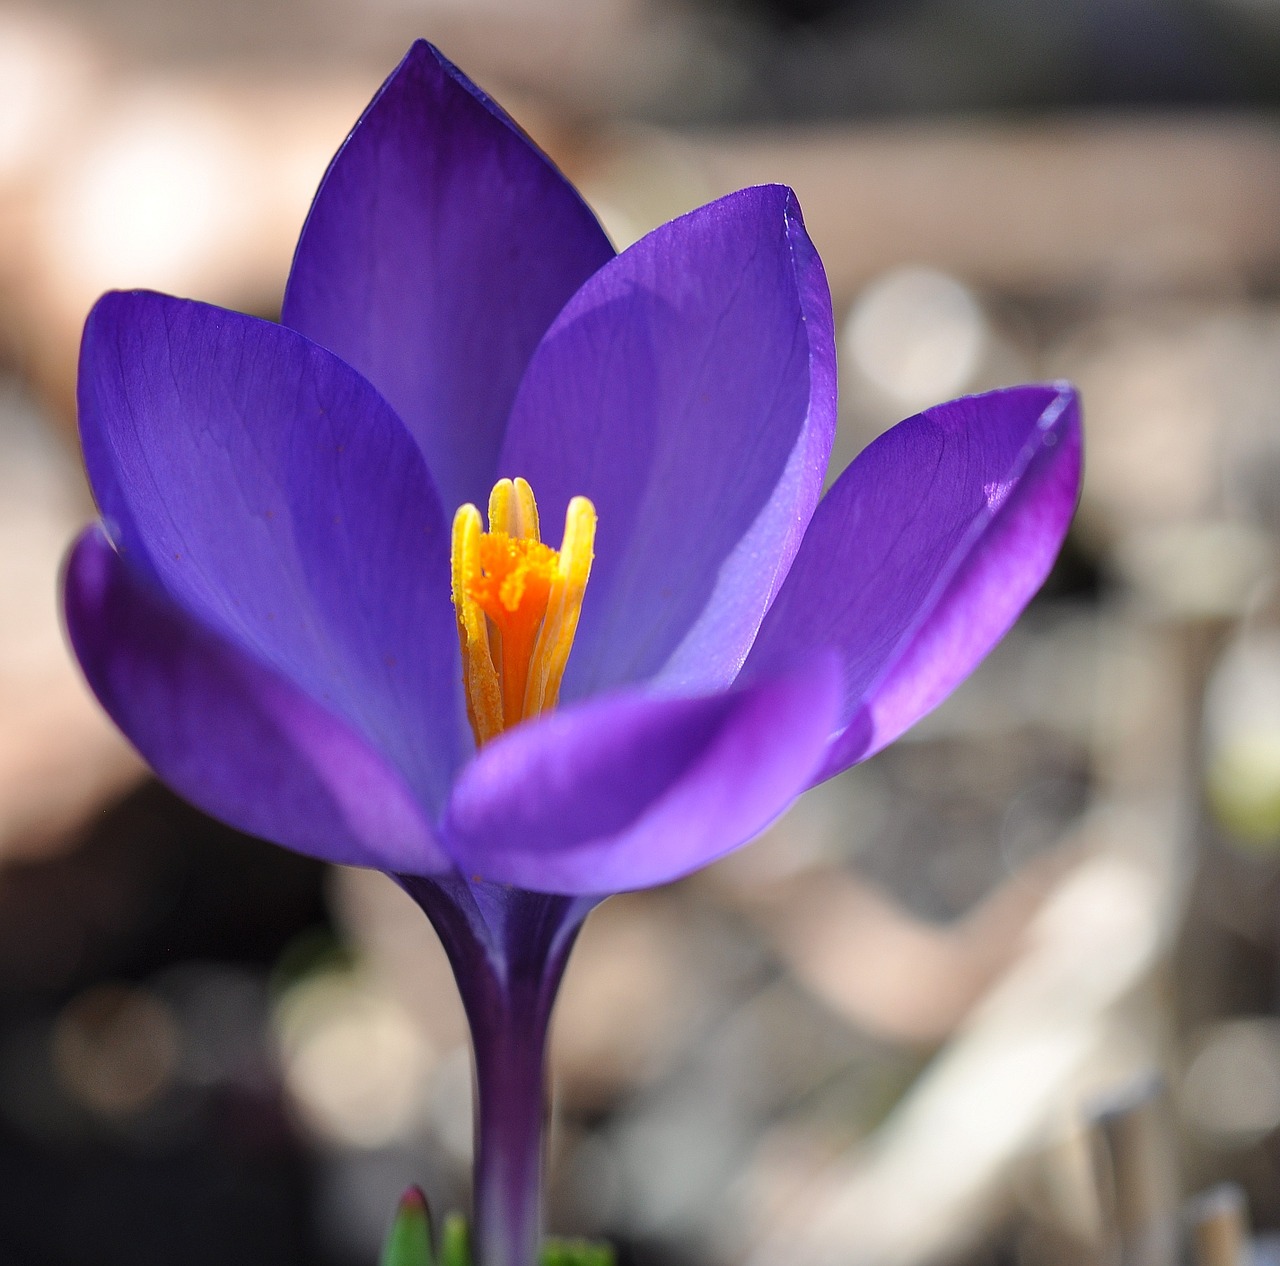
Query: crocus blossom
{"points": [[275, 611]]}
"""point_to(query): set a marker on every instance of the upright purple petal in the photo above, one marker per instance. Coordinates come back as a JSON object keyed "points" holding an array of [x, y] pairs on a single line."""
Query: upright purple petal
{"points": [[268, 489], [688, 389], [632, 790], [441, 245], [925, 551], [228, 733]]}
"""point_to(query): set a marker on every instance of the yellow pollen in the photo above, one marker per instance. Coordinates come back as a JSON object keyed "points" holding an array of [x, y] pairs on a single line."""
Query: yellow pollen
{"points": [[517, 602]]}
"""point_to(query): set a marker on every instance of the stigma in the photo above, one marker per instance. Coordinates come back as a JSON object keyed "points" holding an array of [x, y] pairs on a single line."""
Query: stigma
{"points": [[517, 602]]}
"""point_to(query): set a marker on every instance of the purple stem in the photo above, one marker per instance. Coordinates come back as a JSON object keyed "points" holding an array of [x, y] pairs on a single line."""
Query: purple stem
{"points": [[508, 949]]}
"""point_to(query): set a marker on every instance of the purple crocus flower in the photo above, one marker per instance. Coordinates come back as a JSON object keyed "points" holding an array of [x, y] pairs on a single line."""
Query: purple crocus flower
{"points": [[265, 608]]}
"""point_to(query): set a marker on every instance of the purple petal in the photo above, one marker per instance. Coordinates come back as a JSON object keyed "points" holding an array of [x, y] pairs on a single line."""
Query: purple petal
{"points": [[632, 790], [688, 389], [267, 488], [925, 551], [229, 734], [441, 245]]}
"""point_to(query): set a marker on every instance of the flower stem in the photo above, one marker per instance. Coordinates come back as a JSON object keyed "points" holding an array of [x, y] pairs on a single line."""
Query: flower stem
{"points": [[508, 949], [509, 1038]]}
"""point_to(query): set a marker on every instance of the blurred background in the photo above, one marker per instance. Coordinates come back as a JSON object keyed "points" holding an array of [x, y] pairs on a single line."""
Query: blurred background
{"points": [[1008, 993]]}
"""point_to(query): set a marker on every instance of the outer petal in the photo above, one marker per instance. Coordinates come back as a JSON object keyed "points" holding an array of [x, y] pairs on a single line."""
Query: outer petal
{"points": [[689, 390], [925, 551], [633, 790], [229, 734], [441, 245], [268, 489]]}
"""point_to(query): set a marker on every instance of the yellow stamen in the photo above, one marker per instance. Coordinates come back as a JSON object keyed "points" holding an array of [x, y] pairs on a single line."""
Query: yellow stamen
{"points": [[517, 602]]}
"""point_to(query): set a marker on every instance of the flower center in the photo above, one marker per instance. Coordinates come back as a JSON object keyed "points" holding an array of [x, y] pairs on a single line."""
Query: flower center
{"points": [[517, 602]]}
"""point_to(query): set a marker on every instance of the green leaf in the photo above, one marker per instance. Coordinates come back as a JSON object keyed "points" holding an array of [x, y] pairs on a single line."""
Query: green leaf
{"points": [[408, 1242], [576, 1253], [455, 1242]]}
